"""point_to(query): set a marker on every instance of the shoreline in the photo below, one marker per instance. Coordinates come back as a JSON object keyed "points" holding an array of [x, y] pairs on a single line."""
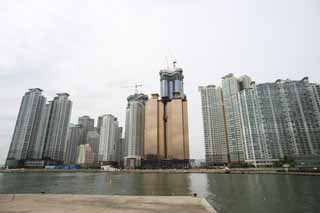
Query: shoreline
{"points": [[277, 171]]}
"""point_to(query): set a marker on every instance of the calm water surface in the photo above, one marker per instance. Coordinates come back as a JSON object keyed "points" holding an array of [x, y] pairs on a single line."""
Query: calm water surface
{"points": [[226, 192]]}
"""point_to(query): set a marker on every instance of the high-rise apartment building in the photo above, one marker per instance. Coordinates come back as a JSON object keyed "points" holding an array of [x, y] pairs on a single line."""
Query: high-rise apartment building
{"points": [[266, 122], [134, 131], [99, 123], [42, 133], [316, 91], [85, 155], [215, 135], [72, 143], [109, 139], [59, 117], [291, 115], [87, 124], [255, 146], [271, 104], [304, 113], [93, 139], [23, 144], [231, 86], [121, 151]]}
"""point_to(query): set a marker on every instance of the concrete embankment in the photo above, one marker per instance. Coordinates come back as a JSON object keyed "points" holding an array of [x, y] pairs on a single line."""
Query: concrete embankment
{"points": [[52, 203], [275, 171]]}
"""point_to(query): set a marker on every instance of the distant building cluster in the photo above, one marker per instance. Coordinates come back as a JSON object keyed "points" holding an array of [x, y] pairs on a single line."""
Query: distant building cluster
{"points": [[258, 124], [155, 134]]}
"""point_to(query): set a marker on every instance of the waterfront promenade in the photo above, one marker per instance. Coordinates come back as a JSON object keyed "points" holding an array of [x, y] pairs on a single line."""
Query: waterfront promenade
{"points": [[51, 203]]}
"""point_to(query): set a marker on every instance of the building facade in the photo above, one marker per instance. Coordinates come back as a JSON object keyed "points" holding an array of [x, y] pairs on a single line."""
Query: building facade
{"points": [[171, 82], [87, 124], [166, 131], [59, 117], [134, 131], [255, 145], [109, 139], [273, 119], [265, 122], [72, 143], [215, 135], [231, 86], [93, 139], [23, 144], [42, 133], [291, 116], [99, 123], [121, 151], [85, 155], [177, 130], [154, 147]]}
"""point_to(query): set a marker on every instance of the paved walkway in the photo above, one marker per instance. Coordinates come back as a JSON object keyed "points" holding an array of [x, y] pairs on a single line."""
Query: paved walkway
{"points": [[51, 203]]}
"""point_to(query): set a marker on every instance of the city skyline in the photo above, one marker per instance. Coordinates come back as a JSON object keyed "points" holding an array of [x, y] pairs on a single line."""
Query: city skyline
{"points": [[89, 54], [258, 107], [85, 122]]}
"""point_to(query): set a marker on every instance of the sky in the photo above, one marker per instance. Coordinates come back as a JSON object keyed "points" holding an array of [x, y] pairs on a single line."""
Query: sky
{"points": [[97, 50]]}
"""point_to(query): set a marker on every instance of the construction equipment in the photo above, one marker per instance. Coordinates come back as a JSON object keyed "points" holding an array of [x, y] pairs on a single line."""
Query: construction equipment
{"points": [[135, 86]]}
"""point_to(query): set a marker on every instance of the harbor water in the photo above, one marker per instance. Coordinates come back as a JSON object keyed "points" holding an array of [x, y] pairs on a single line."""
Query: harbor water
{"points": [[225, 192]]}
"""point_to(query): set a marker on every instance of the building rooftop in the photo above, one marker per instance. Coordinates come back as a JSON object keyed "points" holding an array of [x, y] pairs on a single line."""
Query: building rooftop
{"points": [[230, 75], [63, 94], [35, 89]]}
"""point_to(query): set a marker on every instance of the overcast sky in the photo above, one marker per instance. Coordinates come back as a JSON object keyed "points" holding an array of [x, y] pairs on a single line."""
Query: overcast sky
{"points": [[93, 49]]}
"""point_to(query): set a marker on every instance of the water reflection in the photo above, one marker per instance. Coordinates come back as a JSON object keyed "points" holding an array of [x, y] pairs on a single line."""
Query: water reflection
{"points": [[198, 183], [166, 184]]}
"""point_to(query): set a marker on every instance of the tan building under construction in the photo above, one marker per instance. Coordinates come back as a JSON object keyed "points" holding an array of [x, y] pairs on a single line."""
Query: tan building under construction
{"points": [[177, 129], [166, 134], [154, 146]]}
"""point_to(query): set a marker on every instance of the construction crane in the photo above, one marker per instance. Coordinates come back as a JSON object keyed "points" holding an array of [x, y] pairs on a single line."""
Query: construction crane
{"points": [[174, 62], [135, 86]]}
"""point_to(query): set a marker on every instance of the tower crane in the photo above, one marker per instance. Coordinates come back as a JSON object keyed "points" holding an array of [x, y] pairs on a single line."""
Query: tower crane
{"points": [[135, 86]]}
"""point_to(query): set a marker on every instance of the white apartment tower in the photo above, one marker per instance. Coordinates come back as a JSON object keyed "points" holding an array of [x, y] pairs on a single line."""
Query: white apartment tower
{"points": [[109, 139], [72, 143], [56, 134], [134, 131], [231, 86], [215, 136], [23, 143], [255, 145]]}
